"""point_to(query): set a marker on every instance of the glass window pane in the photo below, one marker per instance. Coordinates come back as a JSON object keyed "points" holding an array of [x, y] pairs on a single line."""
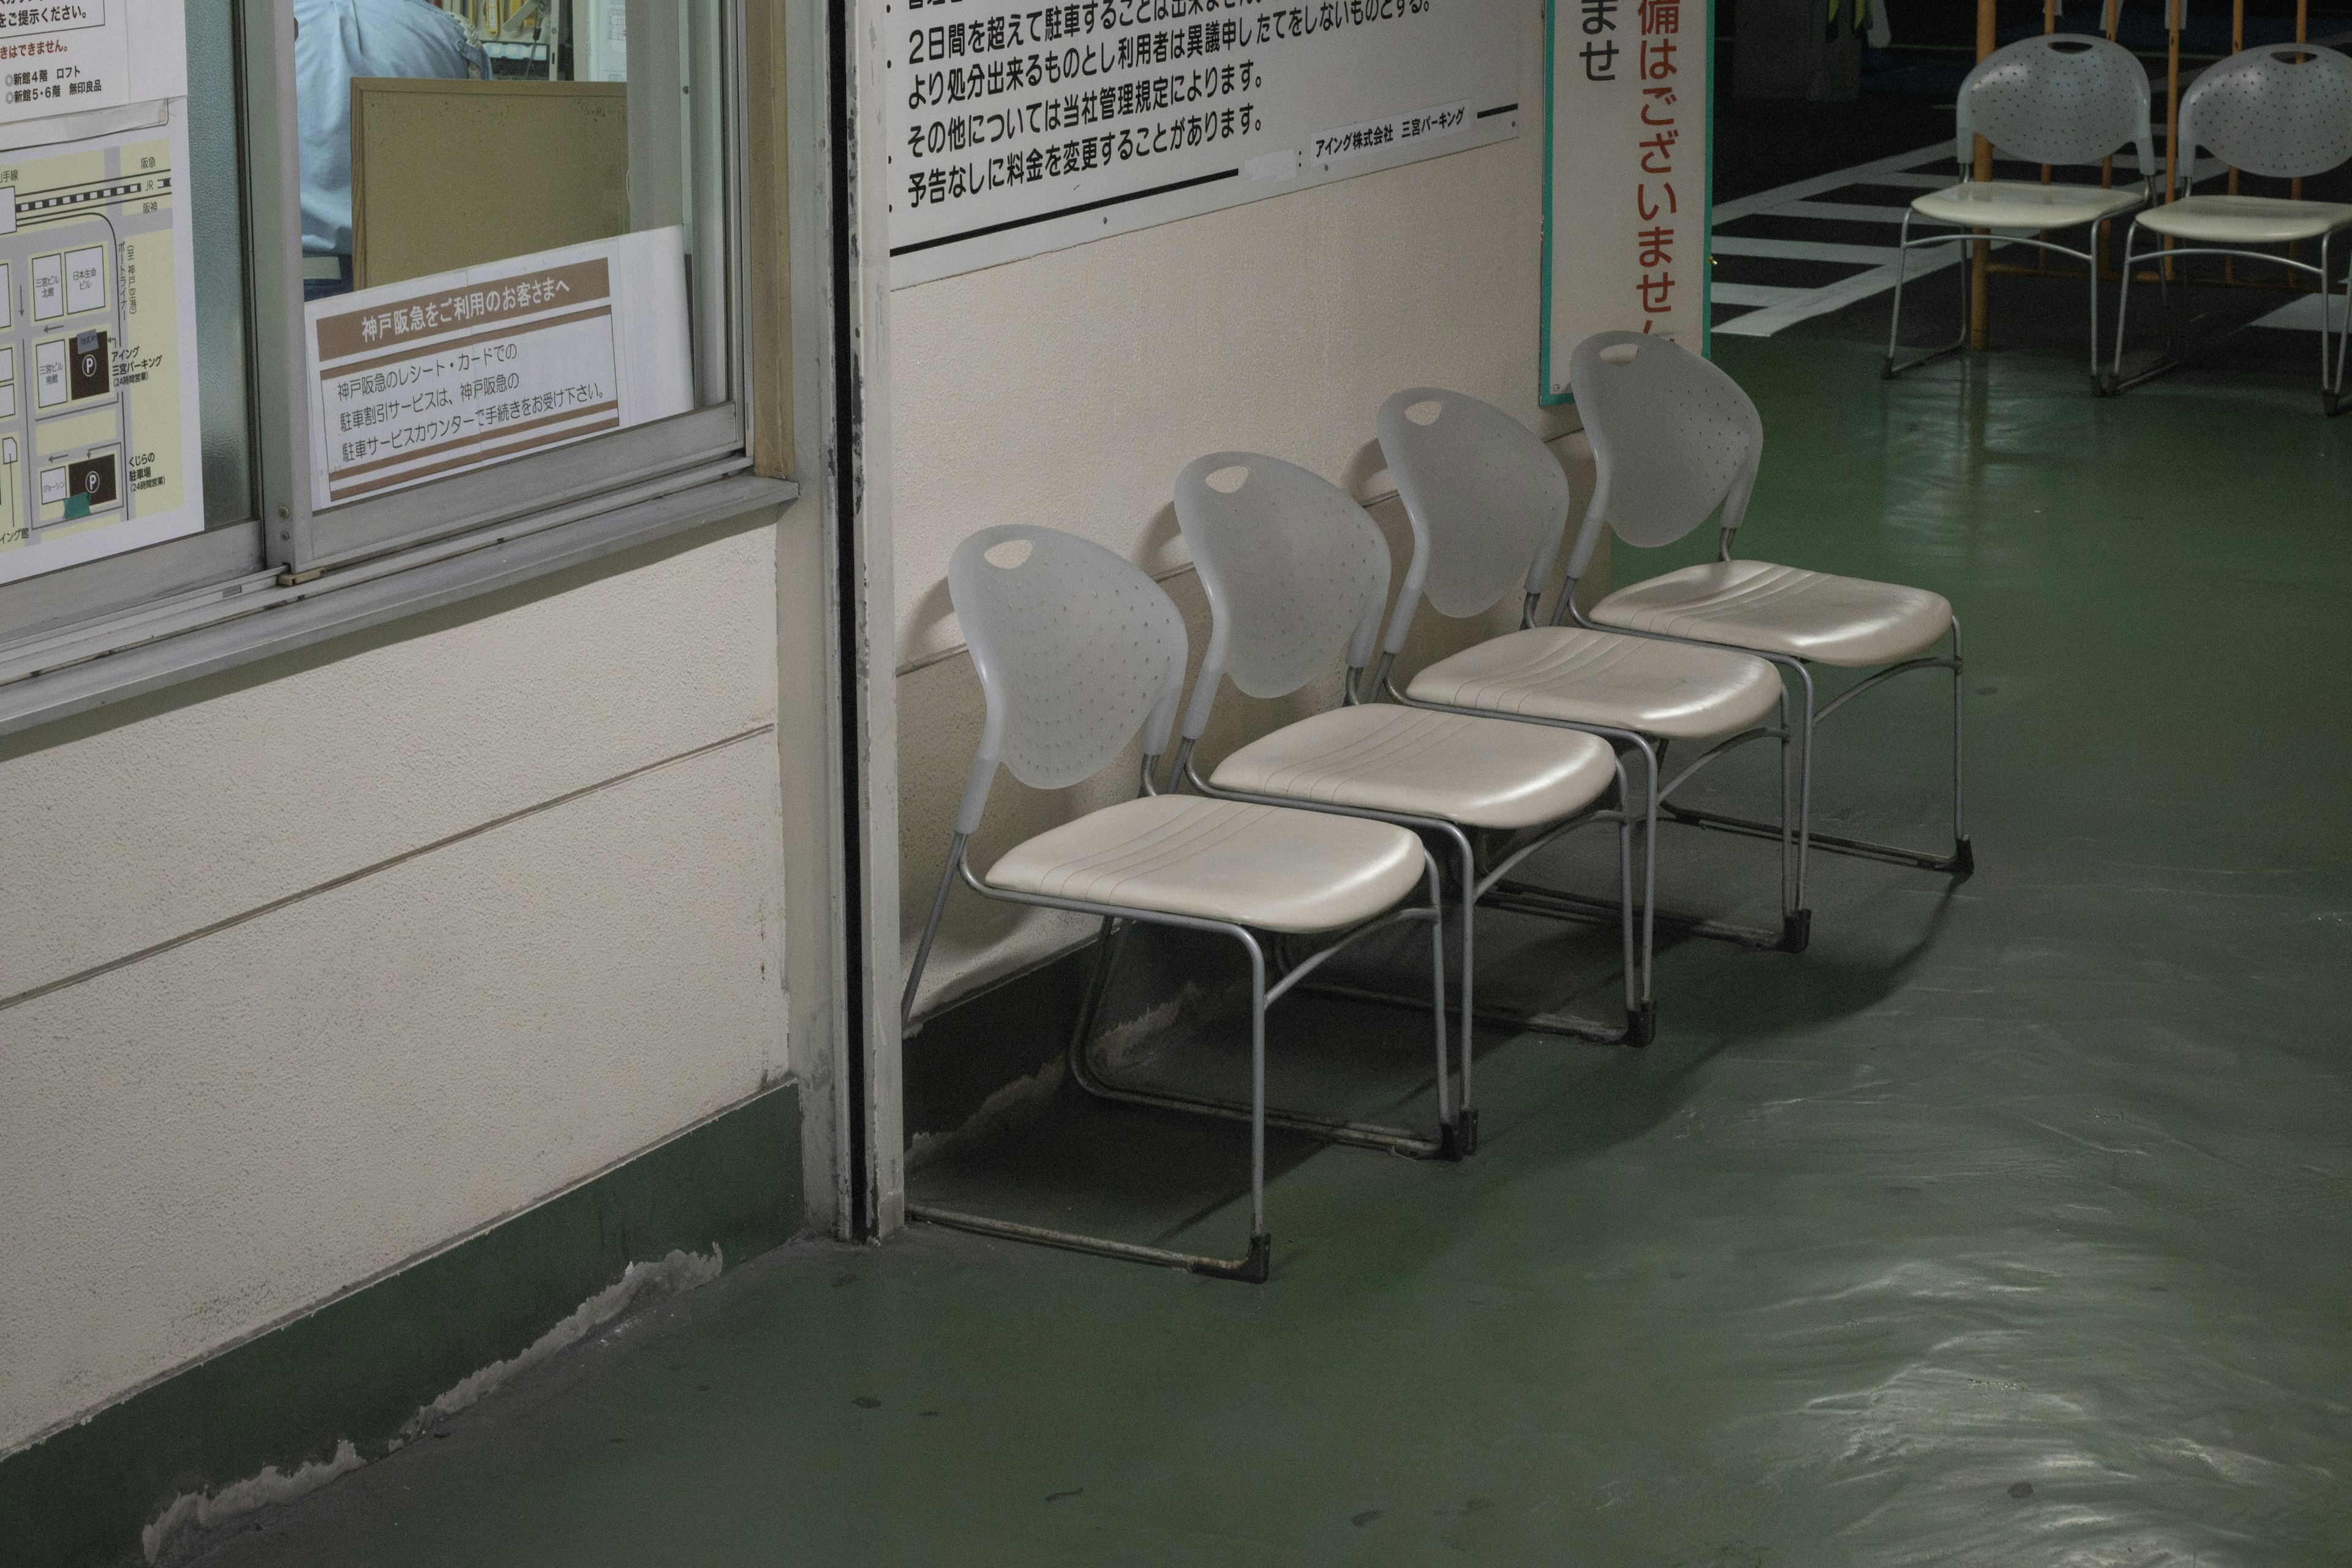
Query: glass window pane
{"points": [[216, 189], [514, 225]]}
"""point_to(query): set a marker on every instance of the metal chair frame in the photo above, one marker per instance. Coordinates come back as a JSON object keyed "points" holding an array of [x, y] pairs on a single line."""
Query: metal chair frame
{"points": [[1641, 1018], [1904, 245], [2172, 357], [2331, 375], [2052, 145], [1255, 1266], [1255, 1263], [1656, 791], [1796, 923], [1961, 859]]}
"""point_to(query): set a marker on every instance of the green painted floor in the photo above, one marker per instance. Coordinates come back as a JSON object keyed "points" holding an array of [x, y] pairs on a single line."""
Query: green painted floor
{"points": [[2013, 1224]]}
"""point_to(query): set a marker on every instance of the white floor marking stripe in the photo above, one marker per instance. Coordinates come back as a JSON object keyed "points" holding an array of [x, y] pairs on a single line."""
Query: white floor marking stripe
{"points": [[1753, 294], [2301, 315], [1779, 307], [1840, 212], [1913, 181], [1837, 296], [1762, 201], [1802, 250]]}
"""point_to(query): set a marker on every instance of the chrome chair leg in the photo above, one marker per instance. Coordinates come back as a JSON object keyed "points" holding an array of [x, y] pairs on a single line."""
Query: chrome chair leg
{"points": [[1964, 856], [1960, 861], [1904, 244], [2331, 392], [1443, 1144], [2092, 269]]}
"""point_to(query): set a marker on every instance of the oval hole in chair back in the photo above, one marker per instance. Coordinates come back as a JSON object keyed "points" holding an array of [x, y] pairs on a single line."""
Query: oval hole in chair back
{"points": [[2281, 113], [1291, 562], [1670, 432], [1073, 644], [2064, 98], [1484, 486]]}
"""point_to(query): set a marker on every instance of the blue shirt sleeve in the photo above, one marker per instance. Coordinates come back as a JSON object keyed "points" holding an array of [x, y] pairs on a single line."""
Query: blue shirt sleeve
{"points": [[336, 40]]}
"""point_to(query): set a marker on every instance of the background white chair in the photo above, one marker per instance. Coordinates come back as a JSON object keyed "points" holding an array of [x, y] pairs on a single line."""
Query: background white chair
{"points": [[1076, 649], [1296, 573], [1488, 504], [2060, 99], [1674, 438], [2282, 111]]}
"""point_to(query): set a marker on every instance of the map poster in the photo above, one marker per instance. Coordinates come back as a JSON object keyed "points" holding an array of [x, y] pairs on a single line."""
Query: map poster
{"points": [[99, 447]]}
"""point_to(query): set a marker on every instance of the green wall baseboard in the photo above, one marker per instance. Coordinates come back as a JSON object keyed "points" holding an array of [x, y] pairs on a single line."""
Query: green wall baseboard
{"points": [[361, 1367]]}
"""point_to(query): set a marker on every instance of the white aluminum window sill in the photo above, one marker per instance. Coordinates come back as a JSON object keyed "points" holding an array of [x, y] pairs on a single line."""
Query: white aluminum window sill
{"points": [[227, 623]]}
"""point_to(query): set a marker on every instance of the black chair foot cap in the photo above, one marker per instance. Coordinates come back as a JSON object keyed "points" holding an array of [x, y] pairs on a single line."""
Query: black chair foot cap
{"points": [[1254, 1269], [1458, 1139], [1964, 859], [1642, 1024], [1797, 931]]}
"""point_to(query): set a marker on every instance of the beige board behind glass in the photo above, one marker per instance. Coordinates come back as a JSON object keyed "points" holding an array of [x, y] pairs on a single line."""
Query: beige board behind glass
{"points": [[447, 174]]}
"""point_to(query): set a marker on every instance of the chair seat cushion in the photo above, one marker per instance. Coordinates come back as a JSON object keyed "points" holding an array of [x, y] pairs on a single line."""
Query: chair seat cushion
{"points": [[1483, 772], [1587, 676], [2025, 204], [2220, 219], [1843, 621], [1268, 866]]}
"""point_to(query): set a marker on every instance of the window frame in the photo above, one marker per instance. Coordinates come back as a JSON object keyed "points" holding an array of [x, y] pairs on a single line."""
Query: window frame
{"points": [[233, 575]]}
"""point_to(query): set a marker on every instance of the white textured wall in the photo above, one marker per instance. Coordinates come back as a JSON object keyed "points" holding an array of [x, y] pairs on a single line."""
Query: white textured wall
{"points": [[196, 1144], [1070, 388]]}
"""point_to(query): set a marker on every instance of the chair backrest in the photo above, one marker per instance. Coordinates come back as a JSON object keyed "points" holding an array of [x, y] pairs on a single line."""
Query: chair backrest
{"points": [[2282, 111], [1292, 565], [1077, 649], [1487, 500], [2059, 97], [1673, 438]]}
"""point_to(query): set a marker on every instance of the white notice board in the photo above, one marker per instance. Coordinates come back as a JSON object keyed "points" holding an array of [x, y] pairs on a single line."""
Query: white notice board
{"points": [[61, 56], [1628, 175], [1018, 127], [419, 380]]}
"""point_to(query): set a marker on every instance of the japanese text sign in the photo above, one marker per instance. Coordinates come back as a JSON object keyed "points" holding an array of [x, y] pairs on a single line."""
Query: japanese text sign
{"points": [[1626, 173], [419, 380], [1018, 127]]}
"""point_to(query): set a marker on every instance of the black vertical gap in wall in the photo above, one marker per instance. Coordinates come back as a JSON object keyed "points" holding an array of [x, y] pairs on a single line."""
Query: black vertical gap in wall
{"points": [[848, 486]]}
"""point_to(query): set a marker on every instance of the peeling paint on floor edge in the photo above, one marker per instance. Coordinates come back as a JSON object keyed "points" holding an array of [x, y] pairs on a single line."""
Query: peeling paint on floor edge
{"points": [[196, 1514], [679, 1272], [193, 1521]]}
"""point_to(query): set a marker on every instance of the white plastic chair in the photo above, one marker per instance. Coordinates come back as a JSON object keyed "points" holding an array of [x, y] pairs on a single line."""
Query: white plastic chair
{"points": [[2062, 98], [1294, 572], [1488, 505], [1076, 650], [2282, 111], [1674, 438]]}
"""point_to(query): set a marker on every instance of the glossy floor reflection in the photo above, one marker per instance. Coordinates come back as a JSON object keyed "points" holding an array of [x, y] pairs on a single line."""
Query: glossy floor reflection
{"points": [[2010, 1226]]}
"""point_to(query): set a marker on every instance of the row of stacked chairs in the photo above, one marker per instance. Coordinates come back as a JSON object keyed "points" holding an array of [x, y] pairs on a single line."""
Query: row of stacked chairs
{"points": [[1407, 801], [2073, 100]]}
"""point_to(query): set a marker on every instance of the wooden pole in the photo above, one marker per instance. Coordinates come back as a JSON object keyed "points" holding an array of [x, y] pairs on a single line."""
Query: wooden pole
{"points": [[2049, 26], [2301, 36], [2236, 42], [2107, 163], [2172, 117], [1980, 260]]}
